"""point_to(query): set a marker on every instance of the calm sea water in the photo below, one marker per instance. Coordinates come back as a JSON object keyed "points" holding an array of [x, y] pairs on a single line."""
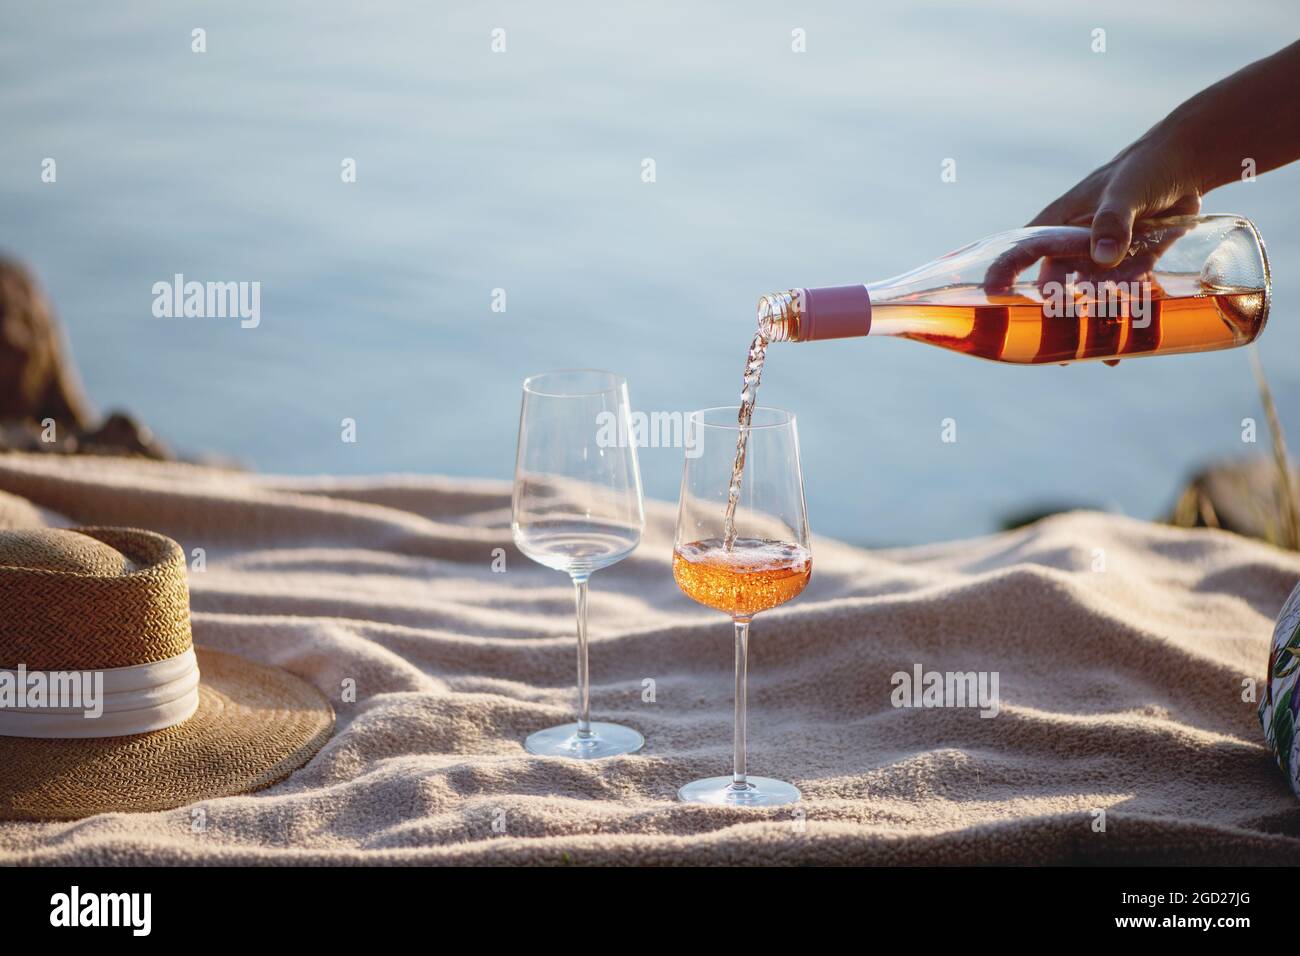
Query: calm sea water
{"points": [[522, 171]]}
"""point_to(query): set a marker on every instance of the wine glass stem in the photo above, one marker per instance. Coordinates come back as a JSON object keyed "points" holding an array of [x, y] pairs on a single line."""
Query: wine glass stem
{"points": [[738, 781], [584, 675]]}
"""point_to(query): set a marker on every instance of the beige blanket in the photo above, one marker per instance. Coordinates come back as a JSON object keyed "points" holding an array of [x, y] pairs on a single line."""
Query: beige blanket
{"points": [[1120, 647]]}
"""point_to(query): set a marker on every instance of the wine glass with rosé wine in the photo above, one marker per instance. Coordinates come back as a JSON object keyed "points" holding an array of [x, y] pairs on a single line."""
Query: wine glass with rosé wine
{"points": [[577, 508], [742, 547]]}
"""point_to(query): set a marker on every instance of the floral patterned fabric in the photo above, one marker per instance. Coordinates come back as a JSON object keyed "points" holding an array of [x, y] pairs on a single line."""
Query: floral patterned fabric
{"points": [[1280, 707]]}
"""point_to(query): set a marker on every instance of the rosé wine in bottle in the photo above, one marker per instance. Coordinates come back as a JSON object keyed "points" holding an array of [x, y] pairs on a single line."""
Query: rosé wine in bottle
{"points": [[1188, 284]]}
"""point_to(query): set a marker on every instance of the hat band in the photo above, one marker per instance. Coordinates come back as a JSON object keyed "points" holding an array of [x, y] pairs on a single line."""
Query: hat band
{"points": [[99, 703]]}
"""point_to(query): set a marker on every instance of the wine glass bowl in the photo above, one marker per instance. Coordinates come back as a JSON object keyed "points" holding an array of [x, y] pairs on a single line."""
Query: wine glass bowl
{"points": [[758, 560], [577, 507]]}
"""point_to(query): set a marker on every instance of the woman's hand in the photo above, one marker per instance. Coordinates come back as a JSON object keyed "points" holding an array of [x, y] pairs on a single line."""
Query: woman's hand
{"points": [[1249, 120], [1148, 180]]}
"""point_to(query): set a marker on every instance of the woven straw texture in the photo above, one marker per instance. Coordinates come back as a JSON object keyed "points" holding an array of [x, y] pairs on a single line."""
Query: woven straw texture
{"points": [[255, 725], [98, 598], [91, 599]]}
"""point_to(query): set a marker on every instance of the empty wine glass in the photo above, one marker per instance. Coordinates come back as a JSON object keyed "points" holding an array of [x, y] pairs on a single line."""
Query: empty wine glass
{"points": [[577, 508], [769, 560]]}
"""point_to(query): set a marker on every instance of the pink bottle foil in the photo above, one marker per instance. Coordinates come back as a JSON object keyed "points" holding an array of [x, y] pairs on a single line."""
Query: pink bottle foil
{"points": [[835, 312]]}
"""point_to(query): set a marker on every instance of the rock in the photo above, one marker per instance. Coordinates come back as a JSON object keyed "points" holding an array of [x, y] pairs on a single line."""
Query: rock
{"points": [[120, 433], [39, 380], [42, 404]]}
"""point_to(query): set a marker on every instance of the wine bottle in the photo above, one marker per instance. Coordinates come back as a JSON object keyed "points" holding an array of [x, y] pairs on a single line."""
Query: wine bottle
{"points": [[1187, 284]]}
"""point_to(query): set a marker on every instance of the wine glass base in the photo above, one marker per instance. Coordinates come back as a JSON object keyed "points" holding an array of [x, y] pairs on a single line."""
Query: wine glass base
{"points": [[757, 792], [605, 740]]}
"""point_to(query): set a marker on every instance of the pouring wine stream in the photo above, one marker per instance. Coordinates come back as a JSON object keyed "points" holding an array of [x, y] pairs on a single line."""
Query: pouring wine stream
{"points": [[748, 399]]}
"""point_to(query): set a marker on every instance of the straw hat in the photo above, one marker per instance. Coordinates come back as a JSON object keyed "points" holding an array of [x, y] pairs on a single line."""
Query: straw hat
{"points": [[102, 706]]}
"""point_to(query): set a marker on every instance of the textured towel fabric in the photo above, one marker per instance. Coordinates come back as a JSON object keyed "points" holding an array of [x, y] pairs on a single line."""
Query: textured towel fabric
{"points": [[1121, 649]]}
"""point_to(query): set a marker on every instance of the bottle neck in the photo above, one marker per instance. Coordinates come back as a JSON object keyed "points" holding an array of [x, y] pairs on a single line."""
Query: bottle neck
{"points": [[805, 315], [779, 316]]}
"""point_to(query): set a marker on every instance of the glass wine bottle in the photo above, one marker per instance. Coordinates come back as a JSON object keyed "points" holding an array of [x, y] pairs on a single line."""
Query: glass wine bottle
{"points": [[1187, 284]]}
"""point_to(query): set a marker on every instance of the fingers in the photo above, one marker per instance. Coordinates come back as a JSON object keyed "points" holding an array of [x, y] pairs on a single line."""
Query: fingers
{"points": [[1054, 214], [1188, 205], [1134, 267], [1054, 271], [1134, 191], [1112, 230], [1073, 209], [1059, 243]]}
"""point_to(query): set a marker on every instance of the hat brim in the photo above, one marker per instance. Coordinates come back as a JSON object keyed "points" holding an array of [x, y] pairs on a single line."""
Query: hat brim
{"points": [[254, 726]]}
